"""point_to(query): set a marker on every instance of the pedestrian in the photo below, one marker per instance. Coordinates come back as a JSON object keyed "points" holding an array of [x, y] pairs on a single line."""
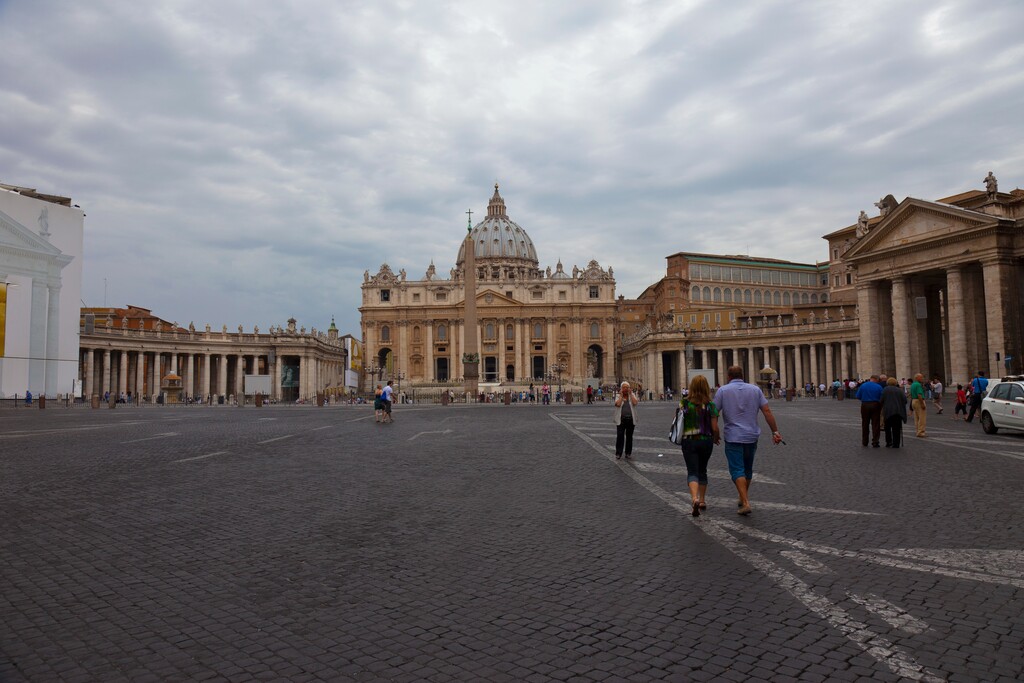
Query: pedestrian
{"points": [[590, 394], [387, 397], [738, 404], [625, 420], [378, 406], [700, 434], [937, 389], [870, 395], [918, 406], [961, 403], [545, 392], [894, 410], [979, 385]]}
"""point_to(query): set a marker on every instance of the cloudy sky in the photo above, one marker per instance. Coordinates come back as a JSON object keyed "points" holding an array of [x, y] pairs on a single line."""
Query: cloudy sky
{"points": [[244, 161]]}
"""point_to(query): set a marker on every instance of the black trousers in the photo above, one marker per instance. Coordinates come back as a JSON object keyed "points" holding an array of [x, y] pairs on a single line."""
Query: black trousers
{"points": [[894, 431], [975, 404], [624, 432], [870, 416]]}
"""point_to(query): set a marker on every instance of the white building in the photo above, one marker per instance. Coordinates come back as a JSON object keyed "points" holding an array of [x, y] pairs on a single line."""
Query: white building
{"points": [[41, 242]]}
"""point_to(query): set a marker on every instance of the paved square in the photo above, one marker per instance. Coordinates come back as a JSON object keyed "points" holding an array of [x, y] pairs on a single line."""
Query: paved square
{"points": [[499, 543]]}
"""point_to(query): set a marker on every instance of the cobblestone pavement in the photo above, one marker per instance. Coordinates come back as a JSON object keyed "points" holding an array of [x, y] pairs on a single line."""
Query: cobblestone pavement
{"points": [[501, 544]]}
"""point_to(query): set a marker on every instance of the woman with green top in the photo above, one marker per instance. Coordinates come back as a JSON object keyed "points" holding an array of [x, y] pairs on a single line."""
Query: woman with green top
{"points": [[700, 434]]}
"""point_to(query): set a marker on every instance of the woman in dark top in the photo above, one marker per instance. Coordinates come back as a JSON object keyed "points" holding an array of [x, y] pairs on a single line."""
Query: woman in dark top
{"points": [[625, 420], [700, 434], [894, 412]]}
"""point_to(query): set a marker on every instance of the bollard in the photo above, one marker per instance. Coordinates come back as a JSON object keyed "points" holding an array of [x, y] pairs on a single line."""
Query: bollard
{"points": [[42, 401], [508, 398]]}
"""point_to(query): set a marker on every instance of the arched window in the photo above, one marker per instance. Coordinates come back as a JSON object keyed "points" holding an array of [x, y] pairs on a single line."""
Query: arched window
{"points": [[707, 294], [737, 295], [595, 331], [804, 298], [757, 296], [510, 333], [814, 298], [727, 297], [489, 331], [824, 298], [416, 333], [385, 333], [442, 332], [561, 331], [718, 294], [786, 301], [538, 331], [695, 293], [748, 297], [777, 297]]}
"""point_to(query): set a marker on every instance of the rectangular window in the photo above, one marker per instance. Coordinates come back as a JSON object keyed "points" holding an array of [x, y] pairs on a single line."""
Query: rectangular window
{"points": [[716, 273], [693, 318], [718, 317], [415, 298], [732, 316], [775, 277], [849, 278], [746, 274], [707, 317], [385, 295], [595, 292], [441, 296], [671, 307], [837, 280], [756, 276], [561, 295], [508, 294], [705, 272], [538, 295], [785, 277], [736, 275]]}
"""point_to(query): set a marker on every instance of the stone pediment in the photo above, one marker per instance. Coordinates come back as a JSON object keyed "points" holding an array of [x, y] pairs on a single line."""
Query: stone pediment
{"points": [[916, 222], [489, 297], [14, 234]]}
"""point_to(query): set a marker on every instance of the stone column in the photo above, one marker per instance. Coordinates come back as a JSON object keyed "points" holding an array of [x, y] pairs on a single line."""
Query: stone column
{"points": [[122, 375], [956, 323], [52, 341], [830, 373], [813, 367], [106, 371], [659, 373], [429, 373], [499, 333], [222, 376], [174, 363], [140, 375], [275, 389], [799, 376], [1002, 315], [870, 329], [190, 374], [204, 377], [37, 339], [843, 372], [900, 330], [90, 371], [154, 383], [240, 378], [783, 367]]}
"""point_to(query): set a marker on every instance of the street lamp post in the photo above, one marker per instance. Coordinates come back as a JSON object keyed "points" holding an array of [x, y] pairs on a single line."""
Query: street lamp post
{"points": [[399, 376], [559, 368], [373, 370]]}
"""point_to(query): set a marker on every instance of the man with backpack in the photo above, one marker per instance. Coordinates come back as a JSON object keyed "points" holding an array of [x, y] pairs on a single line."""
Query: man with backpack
{"points": [[979, 385]]}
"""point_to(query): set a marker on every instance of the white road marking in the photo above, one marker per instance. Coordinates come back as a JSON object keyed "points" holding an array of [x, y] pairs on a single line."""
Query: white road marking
{"points": [[151, 438], [44, 432], [1005, 562], [277, 438], [317, 429], [680, 469], [868, 556], [805, 562], [200, 457], [265, 419], [446, 431], [756, 504], [858, 633], [890, 613], [671, 446]]}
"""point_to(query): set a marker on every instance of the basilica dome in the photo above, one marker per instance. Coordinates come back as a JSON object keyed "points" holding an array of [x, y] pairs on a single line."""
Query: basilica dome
{"points": [[500, 240]]}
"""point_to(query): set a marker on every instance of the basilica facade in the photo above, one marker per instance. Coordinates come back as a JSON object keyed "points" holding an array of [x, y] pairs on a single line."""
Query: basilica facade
{"points": [[534, 323]]}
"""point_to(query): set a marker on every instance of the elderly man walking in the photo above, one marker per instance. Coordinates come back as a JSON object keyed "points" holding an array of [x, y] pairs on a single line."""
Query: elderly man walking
{"points": [[917, 404], [738, 404], [870, 396]]}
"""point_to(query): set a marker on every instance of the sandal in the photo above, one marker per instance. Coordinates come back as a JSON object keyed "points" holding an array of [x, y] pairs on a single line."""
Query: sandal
{"points": [[696, 508], [703, 505]]}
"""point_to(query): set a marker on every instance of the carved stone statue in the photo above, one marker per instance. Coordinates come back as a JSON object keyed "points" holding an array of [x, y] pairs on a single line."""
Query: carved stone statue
{"points": [[886, 205], [159, 326], [811, 318], [991, 185], [191, 328], [827, 317], [778, 320], [239, 329], [549, 271], [302, 330], [431, 271], [401, 274], [842, 313], [207, 328], [255, 329], [611, 273], [124, 323], [862, 224], [764, 321], [223, 329], [44, 222], [576, 276], [734, 324], [366, 276]]}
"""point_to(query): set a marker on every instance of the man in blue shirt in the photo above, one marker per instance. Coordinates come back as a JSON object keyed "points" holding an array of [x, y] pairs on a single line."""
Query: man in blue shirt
{"points": [[979, 385], [870, 396], [738, 404]]}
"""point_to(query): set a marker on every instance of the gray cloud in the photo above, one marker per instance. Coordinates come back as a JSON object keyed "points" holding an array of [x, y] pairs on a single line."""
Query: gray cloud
{"points": [[244, 162]]}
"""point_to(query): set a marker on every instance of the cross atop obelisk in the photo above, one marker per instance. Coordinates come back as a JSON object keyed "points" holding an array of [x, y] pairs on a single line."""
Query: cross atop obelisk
{"points": [[471, 350]]}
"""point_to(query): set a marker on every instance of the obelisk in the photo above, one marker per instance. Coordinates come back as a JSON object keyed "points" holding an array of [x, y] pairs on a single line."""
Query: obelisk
{"points": [[471, 349]]}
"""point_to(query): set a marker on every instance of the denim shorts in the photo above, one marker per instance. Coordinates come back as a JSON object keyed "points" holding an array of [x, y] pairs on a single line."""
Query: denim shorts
{"points": [[741, 459]]}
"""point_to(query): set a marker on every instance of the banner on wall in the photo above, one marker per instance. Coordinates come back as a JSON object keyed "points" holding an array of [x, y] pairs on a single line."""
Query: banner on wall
{"points": [[354, 371], [3, 317]]}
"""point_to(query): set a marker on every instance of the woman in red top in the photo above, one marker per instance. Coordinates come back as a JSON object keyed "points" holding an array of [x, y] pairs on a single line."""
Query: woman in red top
{"points": [[961, 403]]}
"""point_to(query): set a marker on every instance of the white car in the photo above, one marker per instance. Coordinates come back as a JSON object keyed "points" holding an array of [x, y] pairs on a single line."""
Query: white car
{"points": [[1003, 405]]}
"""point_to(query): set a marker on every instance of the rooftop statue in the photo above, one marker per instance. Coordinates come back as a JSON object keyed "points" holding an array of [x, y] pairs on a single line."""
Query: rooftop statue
{"points": [[991, 185]]}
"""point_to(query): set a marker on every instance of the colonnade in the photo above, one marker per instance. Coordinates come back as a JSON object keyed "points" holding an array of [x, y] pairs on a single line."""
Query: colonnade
{"points": [[139, 372]]}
